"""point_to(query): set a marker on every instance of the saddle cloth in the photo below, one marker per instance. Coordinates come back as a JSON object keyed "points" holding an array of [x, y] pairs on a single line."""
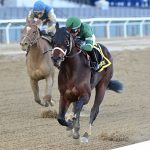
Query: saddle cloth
{"points": [[103, 61]]}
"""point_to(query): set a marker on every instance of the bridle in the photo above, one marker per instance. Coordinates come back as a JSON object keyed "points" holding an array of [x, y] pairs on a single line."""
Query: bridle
{"points": [[68, 48], [31, 42]]}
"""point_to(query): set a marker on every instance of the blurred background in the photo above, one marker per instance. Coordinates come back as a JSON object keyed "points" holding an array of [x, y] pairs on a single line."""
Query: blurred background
{"points": [[108, 18]]}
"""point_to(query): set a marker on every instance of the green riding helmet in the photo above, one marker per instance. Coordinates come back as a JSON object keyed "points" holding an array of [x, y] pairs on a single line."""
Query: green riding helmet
{"points": [[73, 23]]}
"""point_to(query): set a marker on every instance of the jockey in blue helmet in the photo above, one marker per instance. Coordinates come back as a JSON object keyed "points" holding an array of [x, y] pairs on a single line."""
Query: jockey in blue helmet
{"points": [[45, 14]]}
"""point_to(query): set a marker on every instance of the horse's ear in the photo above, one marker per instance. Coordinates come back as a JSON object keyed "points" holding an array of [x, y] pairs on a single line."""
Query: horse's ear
{"points": [[57, 26]]}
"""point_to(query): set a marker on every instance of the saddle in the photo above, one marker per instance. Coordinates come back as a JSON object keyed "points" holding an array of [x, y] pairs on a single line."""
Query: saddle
{"points": [[47, 38]]}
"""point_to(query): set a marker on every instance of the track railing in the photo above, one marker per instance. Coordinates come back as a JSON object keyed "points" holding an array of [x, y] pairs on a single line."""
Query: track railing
{"points": [[110, 27]]}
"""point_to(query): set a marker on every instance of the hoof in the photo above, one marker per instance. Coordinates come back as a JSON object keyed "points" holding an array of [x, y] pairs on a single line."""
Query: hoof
{"points": [[119, 91], [47, 100], [42, 103], [76, 135], [84, 139], [52, 103]]}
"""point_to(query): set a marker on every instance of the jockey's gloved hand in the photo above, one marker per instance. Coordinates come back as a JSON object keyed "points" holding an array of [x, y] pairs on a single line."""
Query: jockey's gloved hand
{"points": [[79, 42], [86, 47]]}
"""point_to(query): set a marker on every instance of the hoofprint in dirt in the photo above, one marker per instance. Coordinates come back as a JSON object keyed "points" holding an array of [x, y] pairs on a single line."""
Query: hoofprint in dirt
{"points": [[123, 118]]}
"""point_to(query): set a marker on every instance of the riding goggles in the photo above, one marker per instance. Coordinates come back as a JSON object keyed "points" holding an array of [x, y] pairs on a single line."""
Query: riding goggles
{"points": [[38, 12], [74, 30]]}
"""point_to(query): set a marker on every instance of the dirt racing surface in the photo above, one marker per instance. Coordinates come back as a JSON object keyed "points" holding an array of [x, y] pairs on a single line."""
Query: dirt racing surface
{"points": [[123, 119]]}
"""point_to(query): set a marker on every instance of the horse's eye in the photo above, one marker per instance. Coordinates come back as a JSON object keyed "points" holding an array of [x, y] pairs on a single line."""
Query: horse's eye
{"points": [[34, 32]]}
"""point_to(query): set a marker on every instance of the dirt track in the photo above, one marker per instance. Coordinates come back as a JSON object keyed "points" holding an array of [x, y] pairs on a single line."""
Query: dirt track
{"points": [[123, 119]]}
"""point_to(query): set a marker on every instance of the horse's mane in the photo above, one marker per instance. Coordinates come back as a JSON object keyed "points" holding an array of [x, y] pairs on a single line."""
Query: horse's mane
{"points": [[61, 30]]}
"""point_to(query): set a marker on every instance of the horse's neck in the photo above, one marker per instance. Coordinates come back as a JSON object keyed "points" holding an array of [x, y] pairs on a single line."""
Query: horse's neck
{"points": [[35, 52], [72, 65]]}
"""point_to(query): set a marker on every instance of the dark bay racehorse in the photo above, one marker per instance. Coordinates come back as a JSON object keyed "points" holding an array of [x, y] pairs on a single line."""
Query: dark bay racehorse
{"points": [[75, 84], [38, 61]]}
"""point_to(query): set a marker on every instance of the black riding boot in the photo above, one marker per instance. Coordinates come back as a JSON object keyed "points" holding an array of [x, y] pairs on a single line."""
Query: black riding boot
{"points": [[94, 61]]}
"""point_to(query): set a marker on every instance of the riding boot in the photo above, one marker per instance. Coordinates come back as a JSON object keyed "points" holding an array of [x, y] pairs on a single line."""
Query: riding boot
{"points": [[94, 61]]}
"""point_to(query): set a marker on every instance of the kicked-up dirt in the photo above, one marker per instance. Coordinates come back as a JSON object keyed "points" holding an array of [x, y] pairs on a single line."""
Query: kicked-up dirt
{"points": [[123, 118]]}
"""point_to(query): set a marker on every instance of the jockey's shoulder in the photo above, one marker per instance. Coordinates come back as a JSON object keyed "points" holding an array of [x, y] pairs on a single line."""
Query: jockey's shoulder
{"points": [[86, 24], [86, 29], [49, 9]]}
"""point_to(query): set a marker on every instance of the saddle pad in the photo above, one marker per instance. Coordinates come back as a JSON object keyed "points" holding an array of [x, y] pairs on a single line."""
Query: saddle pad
{"points": [[48, 38], [105, 62]]}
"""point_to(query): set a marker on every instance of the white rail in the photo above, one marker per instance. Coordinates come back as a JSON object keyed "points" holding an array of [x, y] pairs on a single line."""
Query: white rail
{"points": [[105, 22]]}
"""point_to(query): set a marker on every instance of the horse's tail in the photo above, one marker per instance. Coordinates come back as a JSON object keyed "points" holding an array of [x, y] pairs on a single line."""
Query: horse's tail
{"points": [[116, 86]]}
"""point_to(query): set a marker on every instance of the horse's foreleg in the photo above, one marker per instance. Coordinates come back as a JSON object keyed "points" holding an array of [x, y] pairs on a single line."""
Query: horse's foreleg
{"points": [[48, 91], [78, 105], [35, 89], [63, 107], [100, 92]]}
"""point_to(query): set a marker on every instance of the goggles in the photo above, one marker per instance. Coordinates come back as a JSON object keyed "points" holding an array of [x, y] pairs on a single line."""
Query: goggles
{"points": [[74, 30], [38, 12]]}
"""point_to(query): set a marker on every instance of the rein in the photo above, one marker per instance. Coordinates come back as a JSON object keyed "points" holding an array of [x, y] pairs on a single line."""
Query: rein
{"points": [[69, 46], [34, 43], [74, 54], [31, 42]]}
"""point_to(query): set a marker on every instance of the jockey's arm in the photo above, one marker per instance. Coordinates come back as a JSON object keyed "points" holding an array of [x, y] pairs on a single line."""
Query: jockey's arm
{"points": [[51, 22], [88, 45], [30, 17], [89, 38]]}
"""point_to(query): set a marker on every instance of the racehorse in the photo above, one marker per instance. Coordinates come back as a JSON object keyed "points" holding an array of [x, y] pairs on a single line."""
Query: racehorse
{"points": [[75, 84], [38, 62]]}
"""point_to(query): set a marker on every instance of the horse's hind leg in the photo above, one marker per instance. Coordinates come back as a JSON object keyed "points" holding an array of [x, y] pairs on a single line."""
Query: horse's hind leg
{"points": [[100, 92], [35, 89], [48, 91]]}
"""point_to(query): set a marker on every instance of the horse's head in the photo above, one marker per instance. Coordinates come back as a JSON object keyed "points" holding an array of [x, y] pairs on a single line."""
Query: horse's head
{"points": [[30, 35], [62, 46]]}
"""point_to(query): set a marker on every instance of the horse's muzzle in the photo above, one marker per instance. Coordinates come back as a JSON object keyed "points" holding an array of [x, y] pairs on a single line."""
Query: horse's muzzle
{"points": [[24, 46], [57, 61]]}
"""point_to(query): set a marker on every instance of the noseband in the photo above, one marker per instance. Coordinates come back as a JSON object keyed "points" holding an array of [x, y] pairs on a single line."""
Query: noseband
{"points": [[31, 43], [68, 48]]}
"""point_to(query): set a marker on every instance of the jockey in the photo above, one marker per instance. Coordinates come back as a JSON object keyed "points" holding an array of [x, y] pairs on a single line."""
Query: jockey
{"points": [[84, 32], [45, 14]]}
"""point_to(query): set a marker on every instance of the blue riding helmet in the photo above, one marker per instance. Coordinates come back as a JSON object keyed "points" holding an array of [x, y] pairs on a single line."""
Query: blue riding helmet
{"points": [[39, 6]]}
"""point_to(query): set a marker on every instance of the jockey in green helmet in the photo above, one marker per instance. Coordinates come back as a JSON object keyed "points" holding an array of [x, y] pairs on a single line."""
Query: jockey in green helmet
{"points": [[84, 32]]}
